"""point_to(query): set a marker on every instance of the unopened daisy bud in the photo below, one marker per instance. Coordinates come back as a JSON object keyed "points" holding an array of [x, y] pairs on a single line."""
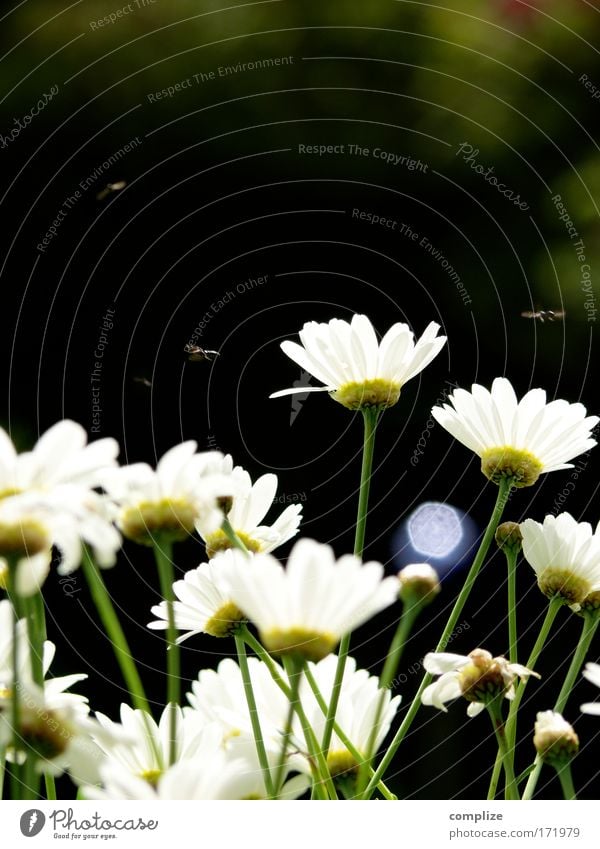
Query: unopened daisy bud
{"points": [[24, 538], [419, 583], [509, 538], [555, 740], [590, 604]]}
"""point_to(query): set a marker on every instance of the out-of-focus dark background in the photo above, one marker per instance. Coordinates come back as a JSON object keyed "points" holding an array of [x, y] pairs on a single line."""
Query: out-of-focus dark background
{"points": [[250, 137]]}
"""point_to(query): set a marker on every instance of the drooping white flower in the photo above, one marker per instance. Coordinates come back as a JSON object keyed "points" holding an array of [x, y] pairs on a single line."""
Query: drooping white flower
{"points": [[478, 677], [357, 369], [250, 504], [565, 555], [555, 739], [517, 439], [306, 608], [592, 673], [183, 492], [356, 712], [204, 605]]}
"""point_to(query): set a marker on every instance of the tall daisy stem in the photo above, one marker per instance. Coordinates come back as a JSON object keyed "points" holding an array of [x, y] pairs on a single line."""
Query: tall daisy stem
{"points": [[370, 418], [254, 717], [590, 626], [111, 623], [501, 500], [166, 574], [511, 562], [294, 671], [511, 722], [495, 712], [16, 783], [233, 538], [390, 667], [566, 781]]}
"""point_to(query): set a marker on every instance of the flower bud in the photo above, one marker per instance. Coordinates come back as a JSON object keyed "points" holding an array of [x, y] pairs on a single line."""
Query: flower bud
{"points": [[555, 740], [509, 537], [419, 583]]}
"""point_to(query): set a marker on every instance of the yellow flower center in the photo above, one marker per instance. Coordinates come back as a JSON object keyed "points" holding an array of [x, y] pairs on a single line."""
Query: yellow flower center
{"points": [[44, 733], [7, 493], [218, 541], [573, 589], [224, 621], [23, 539], [170, 518], [368, 393], [301, 642], [151, 776], [506, 462], [341, 761], [591, 603]]}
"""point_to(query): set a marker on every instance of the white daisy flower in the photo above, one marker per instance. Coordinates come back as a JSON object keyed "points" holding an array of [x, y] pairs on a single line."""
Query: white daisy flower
{"points": [[308, 607], [218, 696], [356, 712], [517, 439], [204, 605], [60, 456], [249, 506], [214, 773], [182, 492], [592, 673], [146, 752], [357, 369], [565, 555], [478, 677], [555, 739]]}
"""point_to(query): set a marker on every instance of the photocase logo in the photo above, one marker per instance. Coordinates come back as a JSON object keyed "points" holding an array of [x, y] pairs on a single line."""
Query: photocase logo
{"points": [[299, 398], [32, 822]]}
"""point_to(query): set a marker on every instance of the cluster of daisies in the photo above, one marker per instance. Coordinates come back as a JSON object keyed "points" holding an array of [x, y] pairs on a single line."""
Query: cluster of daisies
{"points": [[294, 715]]}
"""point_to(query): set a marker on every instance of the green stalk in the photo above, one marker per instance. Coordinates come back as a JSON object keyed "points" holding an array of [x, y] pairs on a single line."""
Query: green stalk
{"points": [[495, 712], [254, 718], [511, 561], [493, 788], [511, 723], [311, 741], [390, 667], [166, 575], [50, 786], [231, 535], [2, 769], [370, 419], [16, 771], [566, 781], [294, 671], [110, 621], [590, 626], [501, 500]]}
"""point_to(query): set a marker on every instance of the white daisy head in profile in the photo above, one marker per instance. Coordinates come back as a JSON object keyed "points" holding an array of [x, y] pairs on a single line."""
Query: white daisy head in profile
{"points": [[592, 674], [356, 369], [246, 511], [565, 556], [305, 609], [478, 677], [519, 440], [203, 604], [170, 502], [555, 739]]}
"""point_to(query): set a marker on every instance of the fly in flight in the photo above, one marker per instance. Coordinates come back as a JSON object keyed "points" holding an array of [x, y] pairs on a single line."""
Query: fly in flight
{"points": [[199, 355], [544, 315]]}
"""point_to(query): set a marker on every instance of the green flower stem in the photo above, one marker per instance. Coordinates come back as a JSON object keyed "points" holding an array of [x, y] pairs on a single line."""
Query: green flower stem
{"points": [[111, 623], [511, 562], [492, 789], [590, 626], [36, 631], [16, 772], [495, 712], [50, 786], [385, 792], [566, 781], [511, 723], [319, 761], [166, 575], [254, 718], [294, 671], [232, 536], [390, 667], [501, 500], [370, 418], [2, 769]]}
